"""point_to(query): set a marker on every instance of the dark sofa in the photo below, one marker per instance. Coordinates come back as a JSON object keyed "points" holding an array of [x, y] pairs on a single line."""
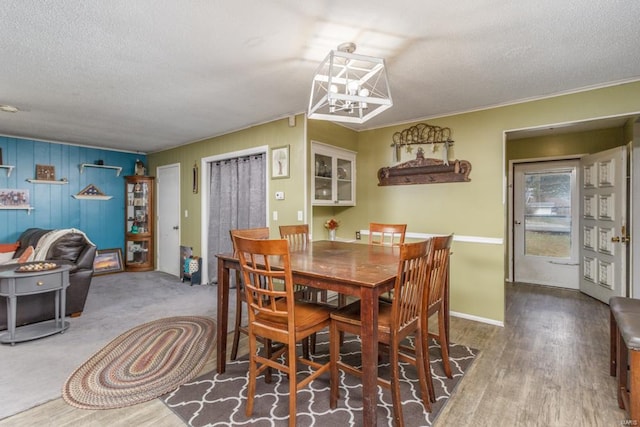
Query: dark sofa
{"points": [[70, 248]]}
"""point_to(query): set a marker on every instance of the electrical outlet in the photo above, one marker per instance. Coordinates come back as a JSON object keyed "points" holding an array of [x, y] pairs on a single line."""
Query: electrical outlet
{"points": [[358, 235]]}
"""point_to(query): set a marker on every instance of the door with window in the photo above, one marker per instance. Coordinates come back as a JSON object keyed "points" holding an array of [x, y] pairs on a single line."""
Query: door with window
{"points": [[546, 225], [603, 216]]}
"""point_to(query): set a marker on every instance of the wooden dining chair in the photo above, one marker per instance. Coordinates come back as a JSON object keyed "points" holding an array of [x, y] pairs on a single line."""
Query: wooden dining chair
{"points": [[387, 234], [253, 233], [436, 289], [275, 315], [396, 321], [298, 237]]}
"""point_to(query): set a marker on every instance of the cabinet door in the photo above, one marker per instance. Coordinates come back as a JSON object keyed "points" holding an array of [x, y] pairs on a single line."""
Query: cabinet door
{"points": [[333, 176], [139, 223], [138, 254], [344, 181], [323, 179], [138, 207]]}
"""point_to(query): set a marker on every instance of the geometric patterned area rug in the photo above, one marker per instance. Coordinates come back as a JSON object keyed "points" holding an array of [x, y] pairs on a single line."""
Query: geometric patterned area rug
{"points": [[219, 400], [143, 363]]}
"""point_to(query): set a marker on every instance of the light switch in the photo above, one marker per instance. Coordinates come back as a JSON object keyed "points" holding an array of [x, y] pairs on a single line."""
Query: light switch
{"points": [[279, 195], [275, 215], [186, 213], [299, 215]]}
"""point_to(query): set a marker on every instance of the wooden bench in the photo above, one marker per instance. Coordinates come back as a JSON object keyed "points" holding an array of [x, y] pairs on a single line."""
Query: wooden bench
{"points": [[625, 352]]}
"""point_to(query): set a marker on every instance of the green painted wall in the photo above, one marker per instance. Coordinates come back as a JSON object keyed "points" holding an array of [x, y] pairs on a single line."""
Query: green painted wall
{"points": [[476, 208], [339, 136], [565, 144], [274, 134]]}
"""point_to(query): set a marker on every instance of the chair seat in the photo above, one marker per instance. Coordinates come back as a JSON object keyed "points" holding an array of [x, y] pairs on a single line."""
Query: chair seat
{"points": [[307, 315], [350, 314]]}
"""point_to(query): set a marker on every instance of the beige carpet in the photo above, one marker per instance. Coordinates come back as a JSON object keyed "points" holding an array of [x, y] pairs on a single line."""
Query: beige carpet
{"points": [[33, 372]]}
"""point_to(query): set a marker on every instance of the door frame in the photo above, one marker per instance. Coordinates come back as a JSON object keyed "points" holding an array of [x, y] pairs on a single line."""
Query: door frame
{"points": [[178, 205], [205, 167]]}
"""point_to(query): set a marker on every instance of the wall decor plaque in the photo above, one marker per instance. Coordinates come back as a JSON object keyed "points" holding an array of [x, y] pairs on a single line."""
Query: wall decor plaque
{"points": [[45, 173]]}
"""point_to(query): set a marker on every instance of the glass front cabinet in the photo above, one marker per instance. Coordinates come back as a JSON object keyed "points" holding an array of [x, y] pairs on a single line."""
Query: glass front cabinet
{"points": [[139, 223], [334, 175]]}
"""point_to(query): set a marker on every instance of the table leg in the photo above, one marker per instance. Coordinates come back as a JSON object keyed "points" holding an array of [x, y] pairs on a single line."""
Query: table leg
{"points": [[11, 317], [446, 309], [56, 302], [369, 338], [223, 315]]}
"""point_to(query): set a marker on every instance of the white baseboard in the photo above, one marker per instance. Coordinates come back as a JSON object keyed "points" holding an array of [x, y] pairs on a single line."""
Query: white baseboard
{"points": [[477, 318]]}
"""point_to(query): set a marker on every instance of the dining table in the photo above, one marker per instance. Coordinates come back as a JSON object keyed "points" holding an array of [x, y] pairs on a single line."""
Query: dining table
{"points": [[349, 268]]}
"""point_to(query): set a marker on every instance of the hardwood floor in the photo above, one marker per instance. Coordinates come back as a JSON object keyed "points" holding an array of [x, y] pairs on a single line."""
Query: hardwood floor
{"points": [[547, 367]]}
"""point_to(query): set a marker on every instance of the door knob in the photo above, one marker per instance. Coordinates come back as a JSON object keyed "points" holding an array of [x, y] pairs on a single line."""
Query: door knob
{"points": [[517, 222], [175, 227]]}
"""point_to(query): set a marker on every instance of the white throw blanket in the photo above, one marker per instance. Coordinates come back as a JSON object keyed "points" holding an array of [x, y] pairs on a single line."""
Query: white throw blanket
{"points": [[45, 242]]}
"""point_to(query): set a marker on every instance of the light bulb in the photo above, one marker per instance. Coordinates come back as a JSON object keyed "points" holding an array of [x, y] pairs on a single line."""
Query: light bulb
{"points": [[333, 89], [364, 92], [352, 87]]}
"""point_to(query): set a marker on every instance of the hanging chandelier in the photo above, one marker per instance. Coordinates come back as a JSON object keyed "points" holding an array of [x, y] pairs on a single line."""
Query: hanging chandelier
{"points": [[348, 87]]}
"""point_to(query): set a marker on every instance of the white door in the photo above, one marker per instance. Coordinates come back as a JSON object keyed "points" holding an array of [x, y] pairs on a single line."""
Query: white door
{"points": [[545, 229], [604, 224], [168, 219]]}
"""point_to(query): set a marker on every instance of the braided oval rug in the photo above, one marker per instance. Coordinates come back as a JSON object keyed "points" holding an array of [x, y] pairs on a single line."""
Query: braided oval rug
{"points": [[143, 363]]}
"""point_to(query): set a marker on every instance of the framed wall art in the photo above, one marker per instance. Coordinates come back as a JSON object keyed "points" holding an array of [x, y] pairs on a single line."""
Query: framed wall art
{"points": [[280, 162], [45, 173], [14, 198], [108, 261]]}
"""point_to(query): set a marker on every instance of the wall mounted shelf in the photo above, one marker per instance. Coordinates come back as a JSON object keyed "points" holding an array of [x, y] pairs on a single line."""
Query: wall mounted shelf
{"points": [[9, 168], [118, 169], [82, 197], [21, 208], [44, 181]]}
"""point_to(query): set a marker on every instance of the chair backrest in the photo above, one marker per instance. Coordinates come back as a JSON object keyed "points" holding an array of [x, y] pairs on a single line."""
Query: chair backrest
{"points": [[268, 290], [387, 234], [411, 281], [439, 271], [297, 235], [251, 233]]}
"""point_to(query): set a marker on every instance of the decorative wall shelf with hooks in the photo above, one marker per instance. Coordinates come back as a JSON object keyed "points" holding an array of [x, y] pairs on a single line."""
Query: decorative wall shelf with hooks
{"points": [[9, 168], [118, 169]]}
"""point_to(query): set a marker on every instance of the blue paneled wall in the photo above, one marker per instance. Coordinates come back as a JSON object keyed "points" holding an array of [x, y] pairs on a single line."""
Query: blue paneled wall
{"points": [[54, 206]]}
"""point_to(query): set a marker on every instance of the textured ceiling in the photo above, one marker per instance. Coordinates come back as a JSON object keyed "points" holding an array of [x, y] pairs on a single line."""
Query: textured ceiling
{"points": [[147, 75]]}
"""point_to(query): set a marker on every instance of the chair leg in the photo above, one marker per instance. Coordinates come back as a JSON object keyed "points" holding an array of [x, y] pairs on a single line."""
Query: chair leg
{"points": [[293, 384], [251, 389], [238, 321], [398, 419], [334, 356], [444, 345], [424, 377]]}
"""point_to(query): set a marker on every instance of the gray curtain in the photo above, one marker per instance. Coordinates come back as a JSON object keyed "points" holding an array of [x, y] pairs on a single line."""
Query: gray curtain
{"points": [[237, 199]]}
